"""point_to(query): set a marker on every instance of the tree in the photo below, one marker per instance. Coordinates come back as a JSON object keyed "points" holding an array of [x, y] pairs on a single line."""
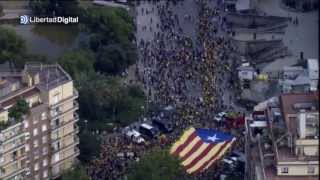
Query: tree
{"points": [[157, 165], [1, 10], [112, 35], [75, 62], [111, 60], [78, 173], [89, 146], [12, 46], [115, 24], [114, 59], [18, 110], [106, 99], [55, 7]]}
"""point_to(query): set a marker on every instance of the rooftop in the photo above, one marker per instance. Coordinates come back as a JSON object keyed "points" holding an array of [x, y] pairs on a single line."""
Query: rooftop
{"points": [[293, 103], [271, 174], [50, 75], [289, 101], [285, 154]]}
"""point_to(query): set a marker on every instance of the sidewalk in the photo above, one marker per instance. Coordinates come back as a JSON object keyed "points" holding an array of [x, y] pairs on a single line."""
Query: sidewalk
{"points": [[302, 37]]}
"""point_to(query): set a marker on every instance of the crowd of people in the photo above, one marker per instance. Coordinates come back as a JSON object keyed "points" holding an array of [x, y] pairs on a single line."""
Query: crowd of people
{"points": [[192, 74]]}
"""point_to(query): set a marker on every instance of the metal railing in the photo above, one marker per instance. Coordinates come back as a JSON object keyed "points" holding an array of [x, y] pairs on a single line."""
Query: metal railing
{"points": [[76, 140], [73, 96]]}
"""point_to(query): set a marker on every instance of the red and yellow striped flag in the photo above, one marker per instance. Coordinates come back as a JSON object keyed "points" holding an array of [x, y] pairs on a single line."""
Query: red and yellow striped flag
{"points": [[198, 149]]}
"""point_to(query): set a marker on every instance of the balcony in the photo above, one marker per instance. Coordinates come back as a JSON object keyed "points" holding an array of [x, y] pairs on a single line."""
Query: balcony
{"points": [[73, 154], [63, 147], [12, 126], [14, 147], [76, 129], [76, 116], [76, 140], [75, 95], [55, 126], [76, 151], [76, 104], [60, 113], [307, 142]]}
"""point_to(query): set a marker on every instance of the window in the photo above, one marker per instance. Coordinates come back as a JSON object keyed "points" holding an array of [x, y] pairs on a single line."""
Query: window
{"points": [[311, 170], [44, 151], [15, 166], [56, 157], [35, 131], [35, 143], [44, 139], [285, 170], [44, 162], [2, 159], [45, 174], [56, 99], [43, 116], [36, 154], [44, 127], [27, 147], [36, 166], [37, 177], [26, 124], [55, 135], [35, 120]]}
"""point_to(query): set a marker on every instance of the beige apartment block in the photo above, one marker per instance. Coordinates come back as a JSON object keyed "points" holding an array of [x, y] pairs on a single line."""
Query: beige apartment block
{"points": [[44, 143], [288, 146]]}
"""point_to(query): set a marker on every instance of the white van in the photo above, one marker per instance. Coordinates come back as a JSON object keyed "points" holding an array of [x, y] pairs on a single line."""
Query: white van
{"points": [[135, 136]]}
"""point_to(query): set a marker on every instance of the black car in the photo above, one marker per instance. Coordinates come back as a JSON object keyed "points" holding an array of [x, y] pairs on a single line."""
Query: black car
{"points": [[163, 126], [148, 131]]}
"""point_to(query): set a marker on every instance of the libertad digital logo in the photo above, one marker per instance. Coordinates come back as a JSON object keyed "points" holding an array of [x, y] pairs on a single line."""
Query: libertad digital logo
{"points": [[24, 19]]}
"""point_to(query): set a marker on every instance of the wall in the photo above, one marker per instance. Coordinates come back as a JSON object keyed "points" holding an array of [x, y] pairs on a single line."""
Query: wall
{"points": [[298, 170]]}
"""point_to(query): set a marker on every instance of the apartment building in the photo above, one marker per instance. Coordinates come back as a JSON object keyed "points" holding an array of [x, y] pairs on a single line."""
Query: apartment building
{"points": [[288, 147], [43, 143]]}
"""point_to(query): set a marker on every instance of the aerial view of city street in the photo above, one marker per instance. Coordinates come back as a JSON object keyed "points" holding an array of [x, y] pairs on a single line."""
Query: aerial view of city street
{"points": [[159, 89]]}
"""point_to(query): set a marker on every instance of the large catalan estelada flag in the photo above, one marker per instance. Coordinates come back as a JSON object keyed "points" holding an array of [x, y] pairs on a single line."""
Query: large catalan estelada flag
{"points": [[198, 149]]}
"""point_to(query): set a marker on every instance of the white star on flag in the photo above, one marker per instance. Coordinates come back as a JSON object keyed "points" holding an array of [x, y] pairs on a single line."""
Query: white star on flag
{"points": [[213, 138]]}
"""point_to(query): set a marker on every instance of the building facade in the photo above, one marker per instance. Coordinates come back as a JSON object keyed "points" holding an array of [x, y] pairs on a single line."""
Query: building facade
{"points": [[287, 146], [43, 143]]}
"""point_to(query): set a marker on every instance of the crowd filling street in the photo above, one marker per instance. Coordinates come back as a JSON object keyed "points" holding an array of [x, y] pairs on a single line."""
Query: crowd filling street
{"points": [[193, 74]]}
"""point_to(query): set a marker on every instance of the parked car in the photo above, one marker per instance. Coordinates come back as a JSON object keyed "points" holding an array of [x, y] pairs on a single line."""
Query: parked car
{"points": [[163, 126], [148, 131], [135, 136], [219, 117]]}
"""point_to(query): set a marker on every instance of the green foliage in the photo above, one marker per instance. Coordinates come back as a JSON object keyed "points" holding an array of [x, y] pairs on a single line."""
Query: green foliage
{"points": [[112, 32], [113, 59], [55, 7], [105, 98], [58, 34], [115, 24], [12, 46], [78, 173], [75, 62], [157, 165], [18, 110], [3, 125], [89, 146], [1, 11]]}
